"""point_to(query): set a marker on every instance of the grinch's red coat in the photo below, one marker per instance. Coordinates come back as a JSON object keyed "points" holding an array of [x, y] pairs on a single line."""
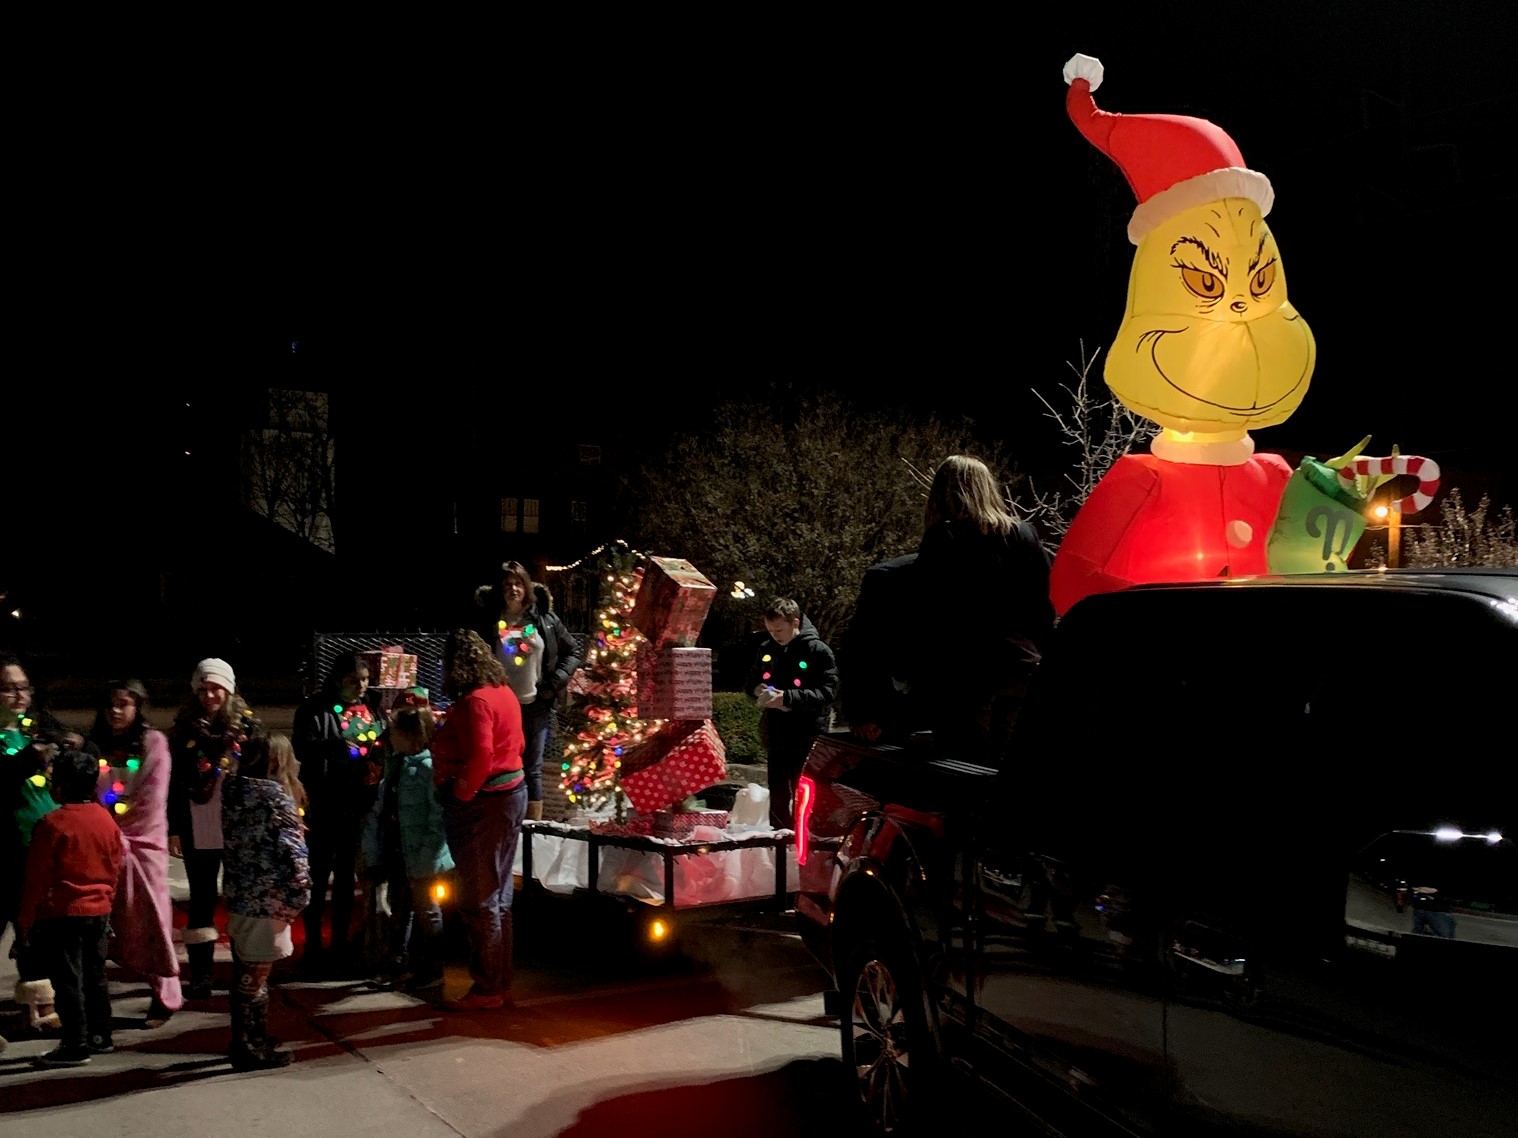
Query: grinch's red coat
{"points": [[1151, 519]]}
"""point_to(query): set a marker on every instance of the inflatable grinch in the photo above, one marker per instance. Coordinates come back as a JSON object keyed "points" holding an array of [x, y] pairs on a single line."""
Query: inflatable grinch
{"points": [[1209, 348]]}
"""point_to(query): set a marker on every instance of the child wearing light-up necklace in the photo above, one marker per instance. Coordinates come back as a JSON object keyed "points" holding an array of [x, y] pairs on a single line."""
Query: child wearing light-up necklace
{"points": [[29, 738], [134, 787]]}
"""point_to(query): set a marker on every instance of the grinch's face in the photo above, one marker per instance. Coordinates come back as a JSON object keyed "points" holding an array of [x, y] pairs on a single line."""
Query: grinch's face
{"points": [[1209, 343]]}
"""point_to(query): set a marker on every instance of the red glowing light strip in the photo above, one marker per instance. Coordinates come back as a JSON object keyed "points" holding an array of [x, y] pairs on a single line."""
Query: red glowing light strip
{"points": [[806, 797]]}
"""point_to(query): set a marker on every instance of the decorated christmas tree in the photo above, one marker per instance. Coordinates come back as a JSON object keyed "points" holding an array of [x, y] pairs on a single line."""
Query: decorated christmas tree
{"points": [[603, 722]]}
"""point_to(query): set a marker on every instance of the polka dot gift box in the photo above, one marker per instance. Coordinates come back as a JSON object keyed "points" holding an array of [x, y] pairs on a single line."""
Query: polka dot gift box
{"points": [[682, 758]]}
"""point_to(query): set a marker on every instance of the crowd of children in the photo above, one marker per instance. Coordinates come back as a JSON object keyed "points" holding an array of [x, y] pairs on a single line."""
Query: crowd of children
{"points": [[90, 822]]}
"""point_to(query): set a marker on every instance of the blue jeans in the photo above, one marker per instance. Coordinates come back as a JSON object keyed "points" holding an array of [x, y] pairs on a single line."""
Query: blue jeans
{"points": [[1434, 922], [482, 836], [417, 925], [537, 726]]}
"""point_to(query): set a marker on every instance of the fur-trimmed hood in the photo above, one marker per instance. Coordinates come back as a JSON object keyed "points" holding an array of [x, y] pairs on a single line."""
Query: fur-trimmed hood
{"points": [[562, 651], [493, 600]]}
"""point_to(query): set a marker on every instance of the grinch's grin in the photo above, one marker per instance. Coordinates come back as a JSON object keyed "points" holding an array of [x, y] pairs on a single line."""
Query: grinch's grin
{"points": [[1153, 338]]}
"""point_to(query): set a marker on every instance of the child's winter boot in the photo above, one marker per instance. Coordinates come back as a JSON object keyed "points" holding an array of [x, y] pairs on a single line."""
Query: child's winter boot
{"points": [[252, 1049], [37, 997], [200, 947]]}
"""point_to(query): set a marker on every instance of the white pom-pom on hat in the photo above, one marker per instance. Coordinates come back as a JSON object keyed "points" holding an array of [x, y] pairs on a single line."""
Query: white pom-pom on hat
{"points": [[1086, 67], [1172, 162]]}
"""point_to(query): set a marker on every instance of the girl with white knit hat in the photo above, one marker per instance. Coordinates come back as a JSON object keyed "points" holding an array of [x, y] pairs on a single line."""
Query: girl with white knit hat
{"points": [[205, 742]]}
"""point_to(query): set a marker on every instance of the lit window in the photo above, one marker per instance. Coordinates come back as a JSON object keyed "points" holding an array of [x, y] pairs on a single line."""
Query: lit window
{"points": [[590, 454], [529, 515], [508, 515]]}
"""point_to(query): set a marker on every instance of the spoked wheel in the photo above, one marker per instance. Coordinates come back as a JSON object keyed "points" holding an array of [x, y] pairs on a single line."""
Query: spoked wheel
{"points": [[885, 1039]]}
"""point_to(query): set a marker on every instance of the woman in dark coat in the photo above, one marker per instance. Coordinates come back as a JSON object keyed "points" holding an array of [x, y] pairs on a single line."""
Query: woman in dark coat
{"points": [[539, 654], [984, 579]]}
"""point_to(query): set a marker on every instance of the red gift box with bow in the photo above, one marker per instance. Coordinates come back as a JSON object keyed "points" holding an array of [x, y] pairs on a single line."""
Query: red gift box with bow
{"points": [[683, 757]]}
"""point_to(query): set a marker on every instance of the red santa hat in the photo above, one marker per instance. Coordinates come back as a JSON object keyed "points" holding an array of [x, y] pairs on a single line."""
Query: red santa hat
{"points": [[1173, 162]]}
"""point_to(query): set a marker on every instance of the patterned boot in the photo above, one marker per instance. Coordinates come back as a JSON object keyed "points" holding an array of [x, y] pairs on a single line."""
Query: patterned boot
{"points": [[252, 1049]]}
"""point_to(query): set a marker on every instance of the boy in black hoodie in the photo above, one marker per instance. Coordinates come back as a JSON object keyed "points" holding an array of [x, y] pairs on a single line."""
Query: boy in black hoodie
{"points": [[795, 680]]}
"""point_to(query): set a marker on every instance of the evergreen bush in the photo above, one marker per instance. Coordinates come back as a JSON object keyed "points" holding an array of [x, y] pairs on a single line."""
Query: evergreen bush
{"points": [[736, 718]]}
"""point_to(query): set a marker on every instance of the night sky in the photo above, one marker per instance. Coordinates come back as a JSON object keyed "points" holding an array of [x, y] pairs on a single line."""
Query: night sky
{"points": [[907, 206], [630, 226]]}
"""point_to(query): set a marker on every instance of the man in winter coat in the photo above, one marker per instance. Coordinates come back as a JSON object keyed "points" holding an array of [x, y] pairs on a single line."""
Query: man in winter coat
{"points": [[795, 680]]}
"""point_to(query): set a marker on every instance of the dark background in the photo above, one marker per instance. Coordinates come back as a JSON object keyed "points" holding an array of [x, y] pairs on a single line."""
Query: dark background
{"points": [[626, 221], [633, 220]]}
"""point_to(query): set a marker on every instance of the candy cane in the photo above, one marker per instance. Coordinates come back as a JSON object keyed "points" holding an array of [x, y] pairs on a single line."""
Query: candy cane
{"points": [[1426, 469]]}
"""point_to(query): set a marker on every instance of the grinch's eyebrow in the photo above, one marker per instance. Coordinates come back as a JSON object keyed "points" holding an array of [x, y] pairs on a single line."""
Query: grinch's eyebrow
{"points": [[1218, 264], [1258, 254]]}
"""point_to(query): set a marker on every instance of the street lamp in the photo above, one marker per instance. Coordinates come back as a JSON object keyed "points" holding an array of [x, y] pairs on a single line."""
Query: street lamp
{"points": [[1392, 516]]}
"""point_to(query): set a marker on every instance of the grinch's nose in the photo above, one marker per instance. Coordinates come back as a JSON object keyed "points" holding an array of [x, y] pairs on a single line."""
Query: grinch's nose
{"points": [[1239, 306]]}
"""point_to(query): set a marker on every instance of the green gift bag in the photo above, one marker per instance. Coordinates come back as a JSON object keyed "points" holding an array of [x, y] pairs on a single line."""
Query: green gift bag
{"points": [[1319, 522]]}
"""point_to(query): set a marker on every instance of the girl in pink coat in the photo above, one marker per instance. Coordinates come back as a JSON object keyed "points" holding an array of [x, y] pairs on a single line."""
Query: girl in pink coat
{"points": [[134, 787]]}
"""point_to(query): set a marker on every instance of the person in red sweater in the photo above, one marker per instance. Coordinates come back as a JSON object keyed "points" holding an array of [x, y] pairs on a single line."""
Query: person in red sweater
{"points": [[66, 899], [477, 773]]}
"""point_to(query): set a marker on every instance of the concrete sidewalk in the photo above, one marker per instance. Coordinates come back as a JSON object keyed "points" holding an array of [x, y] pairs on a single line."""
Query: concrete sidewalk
{"points": [[590, 1048], [598, 1043]]}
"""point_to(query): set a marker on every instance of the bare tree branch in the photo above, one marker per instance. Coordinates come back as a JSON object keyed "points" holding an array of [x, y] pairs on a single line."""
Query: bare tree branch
{"points": [[1467, 538], [1100, 430]]}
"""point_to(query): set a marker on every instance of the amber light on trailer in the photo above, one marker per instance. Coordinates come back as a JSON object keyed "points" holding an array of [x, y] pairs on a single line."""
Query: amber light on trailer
{"points": [[806, 795]]}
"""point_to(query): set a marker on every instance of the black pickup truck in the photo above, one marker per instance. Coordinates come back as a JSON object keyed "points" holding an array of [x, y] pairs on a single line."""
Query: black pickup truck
{"points": [[1247, 868]]}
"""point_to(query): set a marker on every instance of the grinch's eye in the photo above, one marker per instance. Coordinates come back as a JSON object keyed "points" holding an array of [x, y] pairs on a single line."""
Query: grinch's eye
{"points": [[1263, 278], [1208, 286]]}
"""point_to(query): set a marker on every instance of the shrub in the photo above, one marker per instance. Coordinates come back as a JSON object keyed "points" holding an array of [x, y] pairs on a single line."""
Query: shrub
{"points": [[736, 718]]}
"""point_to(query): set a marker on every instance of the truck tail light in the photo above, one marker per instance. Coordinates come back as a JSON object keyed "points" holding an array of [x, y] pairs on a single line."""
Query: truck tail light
{"points": [[801, 811]]}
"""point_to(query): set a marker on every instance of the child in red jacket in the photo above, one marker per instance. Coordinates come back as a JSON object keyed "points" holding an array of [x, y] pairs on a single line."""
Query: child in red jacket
{"points": [[66, 899]]}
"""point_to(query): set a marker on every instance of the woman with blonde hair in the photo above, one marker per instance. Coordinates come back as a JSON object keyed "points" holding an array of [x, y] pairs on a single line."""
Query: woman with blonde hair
{"points": [[477, 771], [205, 741], [988, 576]]}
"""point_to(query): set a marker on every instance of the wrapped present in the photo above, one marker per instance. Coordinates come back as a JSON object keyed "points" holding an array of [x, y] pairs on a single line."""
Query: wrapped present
{"points": [[674, 683], [391, 667], [672, 603], [679, 823], [638, 826], [683, 757]]}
